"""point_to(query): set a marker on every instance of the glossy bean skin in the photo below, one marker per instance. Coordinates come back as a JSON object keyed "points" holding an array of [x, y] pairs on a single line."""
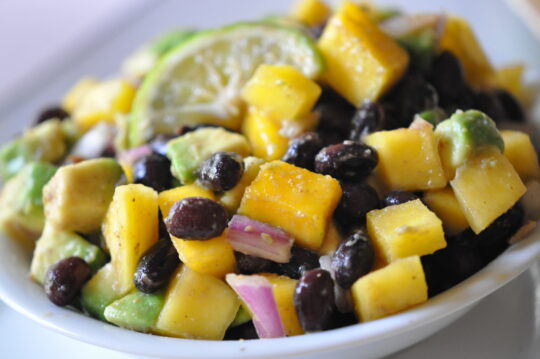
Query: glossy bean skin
{"points": [[196, 218], [302, 260], [302, 150], [347, 161], [153, 171], [314, 300], [64, 280], [50, 113], [356, 201], [221, 171], [156, 267], [353, 258], [368, 118], [512, 108], [398, 197]]}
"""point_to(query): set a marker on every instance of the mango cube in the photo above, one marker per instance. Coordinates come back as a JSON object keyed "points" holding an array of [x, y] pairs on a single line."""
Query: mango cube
{"points": [[331, 241], [214, 256], [297, 200], [281, 91], [459, 38], [264, 135], [310, 12], [130, 228], [231, 198], [445, 205], [486, 186], [510, 78], [408, 159], [404, 230], [197, 306], [168, 198], [103, 102], [396, 287], [74, 97], [521, 153], [283, 290], [363, 62]]}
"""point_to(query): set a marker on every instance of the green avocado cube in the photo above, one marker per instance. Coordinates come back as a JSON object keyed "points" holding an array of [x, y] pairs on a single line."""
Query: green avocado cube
{"points": [[99, 292], [21, 209], [55, 245], [136, 311], [189, 151]]}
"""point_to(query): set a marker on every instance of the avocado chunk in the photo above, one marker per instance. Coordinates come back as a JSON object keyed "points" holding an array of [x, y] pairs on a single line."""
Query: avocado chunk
{"points": [[42, 143], [434, 116], [189, 151], [421, 46], [21, 205], [465, 134], [99, 292], [55, 245], [78, 195], [136, 311], [242, 316]]}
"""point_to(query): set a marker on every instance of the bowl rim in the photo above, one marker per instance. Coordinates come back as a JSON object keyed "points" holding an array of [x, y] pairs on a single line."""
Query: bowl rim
{"points": [[514, 261]]}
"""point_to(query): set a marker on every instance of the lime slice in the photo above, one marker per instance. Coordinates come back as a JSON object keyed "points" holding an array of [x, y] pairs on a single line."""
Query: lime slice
{"points": [[200, 80]]}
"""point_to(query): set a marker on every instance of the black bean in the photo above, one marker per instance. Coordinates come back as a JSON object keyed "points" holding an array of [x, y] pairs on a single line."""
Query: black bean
{"points": [[50, 113], [301, 261], [511, 106], [153, 171], [357, 200], [245, 331], [348, 161], [250, 264], [196, 218], [335, 115], [398, 197], [447, 77], [190, 128], [369, 118], [221, 171], [159, 144], [64, 280], [489, 103], [314, 300], [340, 320], [302, 150], [353, 258], [156, 266]]}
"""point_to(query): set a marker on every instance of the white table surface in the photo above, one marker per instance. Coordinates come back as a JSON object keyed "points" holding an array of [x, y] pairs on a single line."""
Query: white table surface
{"points": [[52, 43]]}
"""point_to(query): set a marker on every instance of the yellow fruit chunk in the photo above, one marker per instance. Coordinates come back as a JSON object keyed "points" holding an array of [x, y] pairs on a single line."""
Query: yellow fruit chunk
{"points": [[396, 287], [169, 197], [408, 159], [297, 200], [404, 230], [510, 78], [231, 198], [445, 205], [520, 151], [75, 95], [263, 134], [130, 228], [310, 12], [197, 306], [486, 186], [281, 91], [363, 62], [103, 102], [214, 256], [331, 241], [283, 290], [459, 38]]}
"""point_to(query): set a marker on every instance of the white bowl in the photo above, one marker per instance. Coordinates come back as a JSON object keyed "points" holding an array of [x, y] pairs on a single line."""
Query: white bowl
{"points": [[367, 340]]}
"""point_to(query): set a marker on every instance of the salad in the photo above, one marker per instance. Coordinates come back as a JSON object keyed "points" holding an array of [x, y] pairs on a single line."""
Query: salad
{"points": [[293, 174]]}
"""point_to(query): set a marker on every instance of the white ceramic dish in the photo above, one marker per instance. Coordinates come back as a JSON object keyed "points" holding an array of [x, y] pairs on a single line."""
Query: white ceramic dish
{"points": [[368, 340]]}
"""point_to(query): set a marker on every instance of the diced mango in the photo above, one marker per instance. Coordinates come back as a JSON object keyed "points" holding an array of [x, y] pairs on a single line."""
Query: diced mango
{"points": [[231, 198], [130, 228], [74, 97], [282, 91], [197, 306], [510, 78], [214, 256], [331, 240], [297, 200], [404, 230], [391, 289], [521, 153], [459, 38], [445, 205], [363, 62], [408, 159], [102, 102], [486, 186], [283, 290], [310, 12], [263, 134], [169, 197]]}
